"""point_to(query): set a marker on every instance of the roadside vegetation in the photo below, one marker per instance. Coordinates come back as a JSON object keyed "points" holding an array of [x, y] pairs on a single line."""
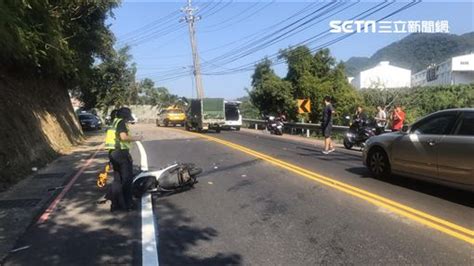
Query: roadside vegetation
{"points": [[48, 51], [313, 76]]}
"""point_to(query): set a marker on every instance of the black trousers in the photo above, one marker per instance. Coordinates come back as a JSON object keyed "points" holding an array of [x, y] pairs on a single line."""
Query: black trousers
{"points": [[120, 193]]}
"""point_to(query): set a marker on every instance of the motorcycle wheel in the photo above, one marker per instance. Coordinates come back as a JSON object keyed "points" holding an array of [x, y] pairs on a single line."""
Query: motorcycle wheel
{"points": [[347, 144]]}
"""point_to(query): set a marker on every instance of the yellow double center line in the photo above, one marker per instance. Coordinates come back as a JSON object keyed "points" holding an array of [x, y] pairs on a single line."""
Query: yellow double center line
{"points": [[439, 224]]}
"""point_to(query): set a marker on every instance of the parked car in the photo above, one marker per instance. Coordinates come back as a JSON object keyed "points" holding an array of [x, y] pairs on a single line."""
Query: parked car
{"points": [[438, 148], [170, 116], [233, 118], [205, 114], [89, 121]]}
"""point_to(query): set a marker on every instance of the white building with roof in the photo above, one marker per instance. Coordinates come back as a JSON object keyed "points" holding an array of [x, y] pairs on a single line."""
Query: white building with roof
{"points": [[457, 70], [383, 76]]}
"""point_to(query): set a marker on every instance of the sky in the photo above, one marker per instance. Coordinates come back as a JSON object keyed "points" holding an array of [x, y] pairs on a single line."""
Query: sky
{"points": [[160, 42]]}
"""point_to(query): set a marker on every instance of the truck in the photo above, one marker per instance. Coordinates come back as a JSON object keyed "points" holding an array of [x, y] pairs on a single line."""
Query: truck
{"points": [[205, 114]]}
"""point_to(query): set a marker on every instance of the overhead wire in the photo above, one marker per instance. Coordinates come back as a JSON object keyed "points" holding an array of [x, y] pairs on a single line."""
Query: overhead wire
{"points": [[263, 30], [312, 39], [274, 56], [250, 66], [250, 46], [220, 23]]}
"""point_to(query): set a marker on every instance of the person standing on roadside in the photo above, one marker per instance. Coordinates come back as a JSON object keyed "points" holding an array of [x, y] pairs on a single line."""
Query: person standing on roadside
{"points": [[380, 120], [118, 142], [326, 125], [398, 117], [360, 115]]}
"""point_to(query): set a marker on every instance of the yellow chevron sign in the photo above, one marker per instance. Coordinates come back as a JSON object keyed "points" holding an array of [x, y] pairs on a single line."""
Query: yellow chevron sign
{"points": [[304, 106]]}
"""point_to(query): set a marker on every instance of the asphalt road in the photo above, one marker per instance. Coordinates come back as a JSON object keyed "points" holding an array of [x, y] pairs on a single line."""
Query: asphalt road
{"points": [[247, 210]]}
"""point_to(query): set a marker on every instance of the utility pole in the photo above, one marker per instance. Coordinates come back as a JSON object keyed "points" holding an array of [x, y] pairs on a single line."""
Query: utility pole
{"points": [[190, 18]]}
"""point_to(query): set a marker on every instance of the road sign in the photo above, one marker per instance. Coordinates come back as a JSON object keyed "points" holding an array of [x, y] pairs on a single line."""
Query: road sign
{"points": [[304, 106]]}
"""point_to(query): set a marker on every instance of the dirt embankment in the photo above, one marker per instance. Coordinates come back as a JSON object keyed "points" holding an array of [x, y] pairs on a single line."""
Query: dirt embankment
{"points": [[37, 123]]}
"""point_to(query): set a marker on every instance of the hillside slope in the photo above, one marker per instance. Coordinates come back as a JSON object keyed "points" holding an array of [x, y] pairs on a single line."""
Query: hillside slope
{"points": [[416, 51], [38, 123]]}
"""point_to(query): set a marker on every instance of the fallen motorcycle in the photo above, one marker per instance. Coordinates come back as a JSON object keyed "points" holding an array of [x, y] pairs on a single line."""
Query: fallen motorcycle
{"points": [[173, 178]]}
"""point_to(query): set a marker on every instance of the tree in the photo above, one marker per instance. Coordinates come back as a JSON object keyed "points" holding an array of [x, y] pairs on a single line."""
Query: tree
{"points": [[55, 39], [151, 95], [111, 82], [269, 93], [314, 77], [247, 109], [421, 101]]}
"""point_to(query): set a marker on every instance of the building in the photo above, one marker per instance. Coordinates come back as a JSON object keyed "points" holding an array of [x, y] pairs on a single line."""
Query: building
{"points": [[457, 70], [382, 76]]}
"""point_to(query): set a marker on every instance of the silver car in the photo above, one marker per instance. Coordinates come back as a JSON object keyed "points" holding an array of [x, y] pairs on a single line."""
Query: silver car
{"points": [[438, 148]]}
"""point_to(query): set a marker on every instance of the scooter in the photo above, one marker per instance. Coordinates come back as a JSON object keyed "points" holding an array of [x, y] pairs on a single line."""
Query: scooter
{"points": [[358, 133], [172, 178], [274, 125]]}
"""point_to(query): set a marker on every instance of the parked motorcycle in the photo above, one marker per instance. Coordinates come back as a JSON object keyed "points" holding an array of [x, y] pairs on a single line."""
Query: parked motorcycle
{"points": [[274, 125], [172, 178], [358, 133]]}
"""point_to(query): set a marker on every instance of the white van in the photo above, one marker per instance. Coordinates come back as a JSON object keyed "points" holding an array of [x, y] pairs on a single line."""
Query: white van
{"points": [[233, 118]]}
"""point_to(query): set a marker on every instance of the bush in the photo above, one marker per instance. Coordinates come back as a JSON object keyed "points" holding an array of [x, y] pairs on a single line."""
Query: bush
{"points": [[419, 101]]}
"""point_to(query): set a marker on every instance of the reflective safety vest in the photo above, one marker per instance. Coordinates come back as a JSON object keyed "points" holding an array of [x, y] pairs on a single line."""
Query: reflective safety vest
{"points": [[112, 139]]}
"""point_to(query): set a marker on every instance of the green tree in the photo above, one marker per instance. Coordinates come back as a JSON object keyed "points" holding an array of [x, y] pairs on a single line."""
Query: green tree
{"points": [[55, 39], [420, 101], [269, 93], [314, 77], [111, 82], [247, 109], [157, 96]]}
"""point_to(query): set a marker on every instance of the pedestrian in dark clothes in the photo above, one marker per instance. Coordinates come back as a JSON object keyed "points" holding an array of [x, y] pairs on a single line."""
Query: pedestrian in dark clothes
{"points": [[326, 125]]}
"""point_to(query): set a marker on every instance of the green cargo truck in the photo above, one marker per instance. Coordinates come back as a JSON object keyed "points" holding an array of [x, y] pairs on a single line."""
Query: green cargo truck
{"points": [[205, 114]]}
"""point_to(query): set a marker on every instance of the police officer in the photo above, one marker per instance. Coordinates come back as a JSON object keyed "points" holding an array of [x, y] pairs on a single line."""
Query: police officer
{"points": [[118, 142]]}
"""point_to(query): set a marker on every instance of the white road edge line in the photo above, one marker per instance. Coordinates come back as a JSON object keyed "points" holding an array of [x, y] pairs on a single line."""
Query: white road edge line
{"points": [[149, 227]]}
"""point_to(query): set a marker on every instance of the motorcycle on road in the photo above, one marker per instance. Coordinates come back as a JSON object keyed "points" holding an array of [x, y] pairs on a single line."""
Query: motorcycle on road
{"points": [[358, 133], [274, 125]]}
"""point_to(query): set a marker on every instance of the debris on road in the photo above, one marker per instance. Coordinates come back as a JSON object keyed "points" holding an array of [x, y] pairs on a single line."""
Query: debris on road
{"points": [[20, 249]]}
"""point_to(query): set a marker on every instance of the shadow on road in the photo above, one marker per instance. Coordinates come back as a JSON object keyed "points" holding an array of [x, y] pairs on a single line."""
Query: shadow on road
{"points": [[80, 231], [178, 238], [450, 194]]}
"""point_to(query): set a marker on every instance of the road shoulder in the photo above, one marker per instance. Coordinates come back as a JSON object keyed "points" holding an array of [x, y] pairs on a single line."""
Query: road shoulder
{"points": [[22, 204]]}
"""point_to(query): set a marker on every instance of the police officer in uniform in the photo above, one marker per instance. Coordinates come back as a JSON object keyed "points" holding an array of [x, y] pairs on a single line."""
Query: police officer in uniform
{"points": [[118, 142]]}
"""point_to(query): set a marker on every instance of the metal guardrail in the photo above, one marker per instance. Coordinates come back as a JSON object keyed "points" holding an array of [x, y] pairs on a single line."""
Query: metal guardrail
{"points": [[304, 127]]}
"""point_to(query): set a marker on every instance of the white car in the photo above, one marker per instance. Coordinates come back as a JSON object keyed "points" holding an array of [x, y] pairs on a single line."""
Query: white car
{"points": [[438, 148], [233, 118]]}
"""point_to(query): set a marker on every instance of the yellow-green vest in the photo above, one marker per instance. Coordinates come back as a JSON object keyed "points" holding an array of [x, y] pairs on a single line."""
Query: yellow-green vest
{"points": [[112, 140]]}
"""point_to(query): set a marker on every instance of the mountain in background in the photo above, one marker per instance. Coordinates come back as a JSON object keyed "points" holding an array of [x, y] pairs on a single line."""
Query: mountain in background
{"points": [[416, 52]]}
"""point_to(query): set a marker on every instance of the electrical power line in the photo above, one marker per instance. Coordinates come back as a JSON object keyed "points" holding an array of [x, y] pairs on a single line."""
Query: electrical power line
{"points": [[324, 34], [250, 66]]}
